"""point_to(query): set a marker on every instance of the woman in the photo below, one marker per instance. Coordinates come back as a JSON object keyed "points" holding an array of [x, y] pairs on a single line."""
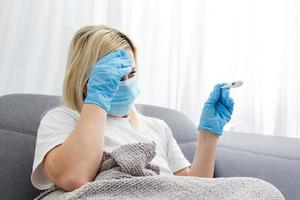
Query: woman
{"points": [[98, 115]]}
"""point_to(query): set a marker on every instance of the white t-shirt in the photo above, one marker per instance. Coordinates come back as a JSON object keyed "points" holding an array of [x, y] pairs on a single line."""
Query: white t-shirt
{"points": [[58, 123]]}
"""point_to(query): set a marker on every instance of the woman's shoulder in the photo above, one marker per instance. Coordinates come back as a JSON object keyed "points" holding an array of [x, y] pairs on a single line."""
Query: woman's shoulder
{"points": [[60, 112], [56, 122]]}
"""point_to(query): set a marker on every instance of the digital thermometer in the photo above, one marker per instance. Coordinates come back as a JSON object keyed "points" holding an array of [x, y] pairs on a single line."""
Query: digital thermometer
{"points": [[235, 84]]}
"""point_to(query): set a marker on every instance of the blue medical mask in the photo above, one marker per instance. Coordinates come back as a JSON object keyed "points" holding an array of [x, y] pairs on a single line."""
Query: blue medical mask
{"points": [[124, 97]]}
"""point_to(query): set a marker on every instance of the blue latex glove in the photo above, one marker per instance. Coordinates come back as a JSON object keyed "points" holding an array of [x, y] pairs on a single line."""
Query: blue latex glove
{"points": [[105, 77], [217, 110]]}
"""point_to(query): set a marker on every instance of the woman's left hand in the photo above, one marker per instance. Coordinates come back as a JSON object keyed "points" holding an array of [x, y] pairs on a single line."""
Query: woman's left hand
{"points": [[217, 110]]}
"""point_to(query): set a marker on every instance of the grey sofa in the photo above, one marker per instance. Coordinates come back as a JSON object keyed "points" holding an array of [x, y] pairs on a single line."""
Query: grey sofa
{"points": [[274, 159]]}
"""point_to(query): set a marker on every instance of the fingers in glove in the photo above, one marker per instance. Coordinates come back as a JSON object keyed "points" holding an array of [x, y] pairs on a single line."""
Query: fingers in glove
{"points": [[223, 111], [123, 62], [229, 104], [120, 53], [124, 71], [215, 94]]}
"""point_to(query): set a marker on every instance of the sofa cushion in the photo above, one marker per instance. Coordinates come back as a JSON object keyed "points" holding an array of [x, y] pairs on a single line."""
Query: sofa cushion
{"points": [[22, 112], [271, 158], [16, 157]]}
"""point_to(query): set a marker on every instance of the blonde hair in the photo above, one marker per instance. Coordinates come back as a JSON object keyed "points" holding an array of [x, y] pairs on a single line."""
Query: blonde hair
{"points": [[88, 45]]}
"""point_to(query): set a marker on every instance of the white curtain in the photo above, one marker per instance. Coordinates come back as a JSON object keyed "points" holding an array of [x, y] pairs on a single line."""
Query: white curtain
{"points": [[184, 49]]}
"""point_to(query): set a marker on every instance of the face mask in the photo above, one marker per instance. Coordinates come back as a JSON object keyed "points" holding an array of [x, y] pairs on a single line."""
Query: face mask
{"points": [[124, 97]]}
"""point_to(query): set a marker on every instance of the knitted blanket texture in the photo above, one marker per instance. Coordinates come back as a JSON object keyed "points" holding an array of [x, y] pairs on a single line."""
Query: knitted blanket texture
{"points": [[126, 174]]}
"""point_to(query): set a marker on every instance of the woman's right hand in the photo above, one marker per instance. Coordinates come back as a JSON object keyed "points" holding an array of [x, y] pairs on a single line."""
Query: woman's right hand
{"points": [[105, 77]]}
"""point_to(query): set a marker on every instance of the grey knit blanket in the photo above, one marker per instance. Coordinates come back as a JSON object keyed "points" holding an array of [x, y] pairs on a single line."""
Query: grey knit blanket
{"points": [[126, 173]]}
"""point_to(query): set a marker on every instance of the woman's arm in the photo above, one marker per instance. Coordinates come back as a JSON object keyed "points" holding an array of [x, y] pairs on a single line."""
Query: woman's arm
{"points": [[216, 113], [204, 160], [76, 161]]}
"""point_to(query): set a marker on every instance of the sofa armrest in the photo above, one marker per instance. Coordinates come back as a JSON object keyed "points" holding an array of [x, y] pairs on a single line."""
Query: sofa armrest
{"points": [[271, 158]]}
